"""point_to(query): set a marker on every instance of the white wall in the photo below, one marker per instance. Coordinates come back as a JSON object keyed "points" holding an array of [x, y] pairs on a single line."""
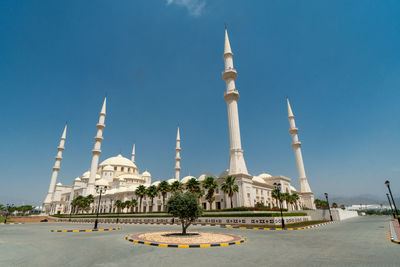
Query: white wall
{"points": [[337, 214]]}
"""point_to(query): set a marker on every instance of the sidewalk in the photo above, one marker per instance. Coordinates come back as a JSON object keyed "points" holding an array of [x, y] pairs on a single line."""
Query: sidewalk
{"points": [[394, 231]]}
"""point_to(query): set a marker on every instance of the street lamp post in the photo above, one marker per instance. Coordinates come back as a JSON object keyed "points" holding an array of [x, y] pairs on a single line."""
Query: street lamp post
{"points": [[278, 189], [387, 183], [101, 186], [390, 203], [329, 207]]}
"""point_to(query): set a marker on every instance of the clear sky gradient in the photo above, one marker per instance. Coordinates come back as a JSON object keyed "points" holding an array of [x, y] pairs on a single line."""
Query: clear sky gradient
{"points": [[160, 64]]}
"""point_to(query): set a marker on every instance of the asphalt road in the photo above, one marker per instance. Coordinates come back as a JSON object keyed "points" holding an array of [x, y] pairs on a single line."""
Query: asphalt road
{"points": [[362, 241]]}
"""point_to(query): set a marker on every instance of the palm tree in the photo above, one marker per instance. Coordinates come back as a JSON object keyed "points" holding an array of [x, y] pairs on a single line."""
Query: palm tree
{"points": [[127, 204], [229, 187], [176, 186], [88, 201], [193, 186], [151, 192], [133, 204], [164, 188], [140, 192], [295, 198], [285, 197], [210, 184]]}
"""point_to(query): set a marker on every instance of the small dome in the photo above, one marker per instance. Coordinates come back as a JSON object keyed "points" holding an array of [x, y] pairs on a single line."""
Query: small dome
{"points": [[146, 174], [204, 176], [292, 188], [118, 161], [86, 175], [170, 181], [156, 183], [77, 179], [186, 179], [224, 174], [102, 182], [258, 179], [265, 175], [59, 184], [108, 168]]}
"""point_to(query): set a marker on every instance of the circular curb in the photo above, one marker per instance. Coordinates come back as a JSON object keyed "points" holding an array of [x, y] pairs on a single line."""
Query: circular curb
{"points": [[165, 245], [85, 230], [275, 229]]}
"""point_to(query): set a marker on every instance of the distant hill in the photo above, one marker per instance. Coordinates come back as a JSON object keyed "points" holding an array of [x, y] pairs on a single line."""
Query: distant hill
{"points": [[357, 200]]}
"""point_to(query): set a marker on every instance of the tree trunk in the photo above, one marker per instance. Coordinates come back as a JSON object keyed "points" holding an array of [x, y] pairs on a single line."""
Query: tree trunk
{"points": [[231, 202], [183, 228]]}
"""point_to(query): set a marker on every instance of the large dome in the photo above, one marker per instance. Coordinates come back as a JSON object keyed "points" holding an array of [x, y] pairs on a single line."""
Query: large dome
{"points": [[118, 161]]}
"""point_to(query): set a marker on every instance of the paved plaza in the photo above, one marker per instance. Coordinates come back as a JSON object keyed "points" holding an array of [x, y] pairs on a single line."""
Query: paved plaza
{"points": [[362, 241]]}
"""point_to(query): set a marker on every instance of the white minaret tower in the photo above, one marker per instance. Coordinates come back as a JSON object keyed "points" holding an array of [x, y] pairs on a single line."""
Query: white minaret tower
{"points": [[296, 144], [56, 169], [178, 156], [231, 96], [133, 154], [96, 150]]}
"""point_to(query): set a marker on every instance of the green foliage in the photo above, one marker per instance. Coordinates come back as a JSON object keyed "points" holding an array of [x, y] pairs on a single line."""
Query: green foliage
{"points": [[193, 186], [210, 184], [140, 192], [176, 187], [334, 204], [229, 187], [151, 192], [186, 207], [320, 204], [164, 188], [81, 203]]}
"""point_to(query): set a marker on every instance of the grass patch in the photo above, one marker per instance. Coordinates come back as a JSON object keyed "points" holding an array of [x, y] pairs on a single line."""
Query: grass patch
{"points": [[2, 219]]}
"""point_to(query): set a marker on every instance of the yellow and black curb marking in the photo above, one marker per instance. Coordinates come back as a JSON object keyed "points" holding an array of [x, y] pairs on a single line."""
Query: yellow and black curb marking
{"points": [[392, 234], [128, 238], [85, 230], [11, 223], [275, 229]]}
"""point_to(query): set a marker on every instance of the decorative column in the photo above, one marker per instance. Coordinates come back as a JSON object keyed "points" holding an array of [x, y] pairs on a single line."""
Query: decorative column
{"points": [[305, 190], [56, 169], [178, 156], [96, 150], [231, 96]]}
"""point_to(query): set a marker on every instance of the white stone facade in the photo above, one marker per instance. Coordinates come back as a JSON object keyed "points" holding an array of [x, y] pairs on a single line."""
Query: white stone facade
{"points": [[123, 176]]}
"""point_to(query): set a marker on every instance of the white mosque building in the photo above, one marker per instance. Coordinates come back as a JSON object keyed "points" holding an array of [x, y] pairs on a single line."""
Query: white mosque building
{"points": [[123, 176]]}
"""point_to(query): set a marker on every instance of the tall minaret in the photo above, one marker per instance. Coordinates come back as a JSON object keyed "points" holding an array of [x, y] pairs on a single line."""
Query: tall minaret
{"points": [[56, 169], [133, 154], [97, 149], [178, 156], [296, 144], [231, 96]]}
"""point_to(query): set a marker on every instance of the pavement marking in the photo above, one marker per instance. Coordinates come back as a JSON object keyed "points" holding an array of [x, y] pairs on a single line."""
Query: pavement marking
{"points": [[85, 230], [164, 245]]}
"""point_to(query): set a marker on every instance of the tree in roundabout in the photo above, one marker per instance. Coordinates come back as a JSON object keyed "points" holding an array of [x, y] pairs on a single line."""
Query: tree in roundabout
{"points": [[184, 206]]}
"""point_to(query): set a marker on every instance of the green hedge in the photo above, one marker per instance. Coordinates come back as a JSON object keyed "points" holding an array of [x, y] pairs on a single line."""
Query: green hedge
{"points": [[277, 214]]}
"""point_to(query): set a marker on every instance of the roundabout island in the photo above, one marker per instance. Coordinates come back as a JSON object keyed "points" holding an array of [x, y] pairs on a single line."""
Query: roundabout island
{"points": [[189, 240]]}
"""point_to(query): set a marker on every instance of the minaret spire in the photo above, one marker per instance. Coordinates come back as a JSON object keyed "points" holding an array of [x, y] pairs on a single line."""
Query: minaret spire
{"points": [[97, 149], [178, 156], [231, 96], [296, 144], [133, 154], [56, 169]]}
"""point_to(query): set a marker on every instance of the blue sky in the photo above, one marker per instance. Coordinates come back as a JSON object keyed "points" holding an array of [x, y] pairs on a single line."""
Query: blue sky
{"points": [[160, 63]]}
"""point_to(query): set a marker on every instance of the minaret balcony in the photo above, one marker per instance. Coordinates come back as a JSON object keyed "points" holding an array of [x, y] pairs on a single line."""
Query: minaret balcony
{"points": [[296, 144], [55, 168], [59, 158], [177, 158], [98, 138], [60, 148], [96, 151], [229, 74], [100, 126], [293, 130], [234, 94]]}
